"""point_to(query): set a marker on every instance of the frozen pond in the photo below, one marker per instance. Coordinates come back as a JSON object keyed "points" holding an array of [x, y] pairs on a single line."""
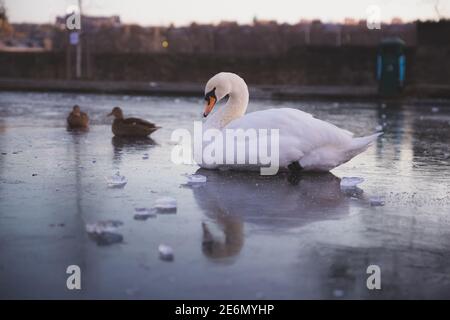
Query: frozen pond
{"points": [[237, 235]]}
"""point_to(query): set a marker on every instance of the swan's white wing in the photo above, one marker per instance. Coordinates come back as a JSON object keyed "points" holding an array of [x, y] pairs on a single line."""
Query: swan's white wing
{"points": [[300, 133]]}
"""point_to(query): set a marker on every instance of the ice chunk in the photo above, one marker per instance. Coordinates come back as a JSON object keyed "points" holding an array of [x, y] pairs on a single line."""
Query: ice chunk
{"points": [[166, 204], [103, 226], [107, 238], [435, 109], [354, 193], [377, 201], [379, 128], [117, 181], [350, 182], [144, 213], [195, 179], [105, 232], [165, 252]]}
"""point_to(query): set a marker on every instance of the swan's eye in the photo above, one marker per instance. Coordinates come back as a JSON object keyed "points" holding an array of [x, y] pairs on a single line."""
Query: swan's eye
{"points": [[210, 94]]}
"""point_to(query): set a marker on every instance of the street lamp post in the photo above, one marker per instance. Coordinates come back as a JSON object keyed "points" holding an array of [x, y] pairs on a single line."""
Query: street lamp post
{"points": [[79, 52]]}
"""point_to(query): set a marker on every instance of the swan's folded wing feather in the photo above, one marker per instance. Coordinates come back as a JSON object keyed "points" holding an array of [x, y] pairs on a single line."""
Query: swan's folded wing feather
{"points": [[299, 132], [294, 124]]}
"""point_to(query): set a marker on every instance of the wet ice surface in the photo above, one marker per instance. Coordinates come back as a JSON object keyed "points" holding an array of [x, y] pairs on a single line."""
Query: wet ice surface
{"points": [[238, 235]]}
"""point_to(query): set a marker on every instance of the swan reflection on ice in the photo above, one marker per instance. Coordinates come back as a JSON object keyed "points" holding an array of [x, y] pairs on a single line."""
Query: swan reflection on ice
{"points": [[230, 200]]}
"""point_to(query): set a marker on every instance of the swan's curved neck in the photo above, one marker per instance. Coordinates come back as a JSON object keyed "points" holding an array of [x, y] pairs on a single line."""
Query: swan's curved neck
{"points": [[234, 108]]}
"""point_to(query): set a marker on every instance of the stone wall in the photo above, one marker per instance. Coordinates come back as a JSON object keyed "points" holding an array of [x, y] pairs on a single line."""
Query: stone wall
{"points": [[301, 66]]}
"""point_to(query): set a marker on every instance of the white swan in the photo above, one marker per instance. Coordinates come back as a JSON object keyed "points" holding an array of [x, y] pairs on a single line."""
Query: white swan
{"points": [[305, 143]]}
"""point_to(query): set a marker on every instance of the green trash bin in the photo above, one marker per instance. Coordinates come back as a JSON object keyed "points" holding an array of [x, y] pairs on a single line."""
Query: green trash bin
{"points": [[391, 64]]}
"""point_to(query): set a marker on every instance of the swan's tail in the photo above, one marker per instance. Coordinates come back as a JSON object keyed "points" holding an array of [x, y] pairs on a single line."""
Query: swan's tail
{"points": [[361, 144]]}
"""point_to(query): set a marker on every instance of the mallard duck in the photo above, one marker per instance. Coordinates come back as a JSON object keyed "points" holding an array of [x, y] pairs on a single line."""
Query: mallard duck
{"points": [[77, 119], [130, 127]]}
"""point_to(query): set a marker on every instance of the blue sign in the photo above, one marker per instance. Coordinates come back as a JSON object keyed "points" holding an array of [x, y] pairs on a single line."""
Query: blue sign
{"points": [[74, 38]]}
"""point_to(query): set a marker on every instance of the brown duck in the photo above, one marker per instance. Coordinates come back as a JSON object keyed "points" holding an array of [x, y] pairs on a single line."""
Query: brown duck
{"points": [[130, 127], [77, 119]]}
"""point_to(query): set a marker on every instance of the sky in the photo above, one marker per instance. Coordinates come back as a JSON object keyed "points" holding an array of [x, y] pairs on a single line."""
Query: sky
{"points": [[183, 12]]}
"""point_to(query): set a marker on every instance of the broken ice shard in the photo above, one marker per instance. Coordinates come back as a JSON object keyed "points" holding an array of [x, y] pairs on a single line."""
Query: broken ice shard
{"points": [[377, 202], [103, 226], [105, 232], [166, 205], [107, 238], [165, 252], [117, 181], [195, 179], [143, 213], [350, 182]]}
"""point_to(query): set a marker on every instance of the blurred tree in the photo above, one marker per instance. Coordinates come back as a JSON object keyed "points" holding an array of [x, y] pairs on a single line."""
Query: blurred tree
{"points": [[2, 11], [5, 27]]}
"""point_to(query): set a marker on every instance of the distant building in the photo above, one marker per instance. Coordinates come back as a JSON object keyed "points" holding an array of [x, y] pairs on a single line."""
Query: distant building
{"points": [[431, 33], [27, 38], [14, 46], [107, 34], [92, 22]]}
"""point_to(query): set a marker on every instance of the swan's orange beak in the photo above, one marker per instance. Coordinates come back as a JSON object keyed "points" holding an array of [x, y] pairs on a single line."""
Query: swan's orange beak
{"points": [[210, 103]]}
